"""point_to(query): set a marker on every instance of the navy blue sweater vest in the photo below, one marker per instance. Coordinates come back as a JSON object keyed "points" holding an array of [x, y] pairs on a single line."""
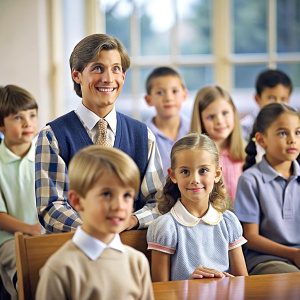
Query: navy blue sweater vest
{"points": [[131, 138]]}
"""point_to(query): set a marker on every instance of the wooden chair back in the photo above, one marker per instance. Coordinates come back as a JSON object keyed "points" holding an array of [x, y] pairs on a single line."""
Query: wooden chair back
{"points": [[33, 251], [31, 254], [137, 239]]}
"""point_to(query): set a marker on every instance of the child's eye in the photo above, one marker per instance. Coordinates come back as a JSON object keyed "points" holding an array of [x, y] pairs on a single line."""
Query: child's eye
{"points": [[298, 132], [160, 93], [128, 196], [282, 133], [210, 117], [175, 91], [106, 194], [17, 118], [203, 170], [272, 98], [32, 116], [225, 113], [184, 172]]}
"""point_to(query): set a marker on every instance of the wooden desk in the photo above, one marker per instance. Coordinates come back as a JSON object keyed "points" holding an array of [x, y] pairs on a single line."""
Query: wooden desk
{"points": [[277, 286]]}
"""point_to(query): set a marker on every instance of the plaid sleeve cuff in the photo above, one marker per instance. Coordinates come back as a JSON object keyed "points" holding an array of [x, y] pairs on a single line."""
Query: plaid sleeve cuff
{"points": [[146, 215]]}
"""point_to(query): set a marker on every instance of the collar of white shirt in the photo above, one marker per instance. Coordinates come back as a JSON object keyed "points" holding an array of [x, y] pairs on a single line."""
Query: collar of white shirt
{"points": [[93, 247], [7, 156], [90, 119], [182, 216]]}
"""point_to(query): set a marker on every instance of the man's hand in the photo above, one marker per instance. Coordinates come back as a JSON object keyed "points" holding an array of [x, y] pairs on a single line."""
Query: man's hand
{"points": [[133, 223]]}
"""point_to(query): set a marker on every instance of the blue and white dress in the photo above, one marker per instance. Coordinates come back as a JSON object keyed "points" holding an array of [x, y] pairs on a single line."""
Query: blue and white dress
{"points": [[193, 241]]}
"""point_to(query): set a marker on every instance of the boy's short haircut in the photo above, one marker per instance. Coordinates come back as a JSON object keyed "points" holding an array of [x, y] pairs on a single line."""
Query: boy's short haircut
{"points": [[161, 72], [14, 99], [88, 50], [270, 78], [94, 161]]}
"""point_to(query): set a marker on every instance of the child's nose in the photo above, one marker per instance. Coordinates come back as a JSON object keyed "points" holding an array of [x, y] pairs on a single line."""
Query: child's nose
{"points": [[26, 123], [292, 139], [219, 118], [168, 96], [196, 179], [117, 203]]}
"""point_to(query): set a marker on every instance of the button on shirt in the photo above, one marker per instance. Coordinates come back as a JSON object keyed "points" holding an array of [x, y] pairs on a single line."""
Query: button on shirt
{"points": [[266, 198]]}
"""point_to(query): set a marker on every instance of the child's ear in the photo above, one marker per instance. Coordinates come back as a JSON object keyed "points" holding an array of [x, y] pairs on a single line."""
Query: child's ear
{"points": [[185, 94], [172, 175], [76, 75], [260, 139], [148, 100], [218, 174], [257, 99], [74, 200]]}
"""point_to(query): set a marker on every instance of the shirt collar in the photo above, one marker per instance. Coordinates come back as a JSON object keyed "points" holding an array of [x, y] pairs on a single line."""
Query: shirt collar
{"points": [[155, 130], [93, 247], [8, 156], [183, 128], [182, 216], [90, 119], [269, 173]]}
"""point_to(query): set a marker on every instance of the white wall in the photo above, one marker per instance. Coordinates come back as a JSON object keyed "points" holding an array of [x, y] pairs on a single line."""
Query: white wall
{"points": [[25, 50]]}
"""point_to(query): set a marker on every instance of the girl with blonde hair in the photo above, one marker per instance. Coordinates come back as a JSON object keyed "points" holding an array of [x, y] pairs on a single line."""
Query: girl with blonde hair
{"points": [[214, 114], [195, 218]]}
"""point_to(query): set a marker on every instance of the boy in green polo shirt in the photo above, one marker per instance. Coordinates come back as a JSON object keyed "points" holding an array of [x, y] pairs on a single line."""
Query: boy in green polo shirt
{"points": [[18, 123]]}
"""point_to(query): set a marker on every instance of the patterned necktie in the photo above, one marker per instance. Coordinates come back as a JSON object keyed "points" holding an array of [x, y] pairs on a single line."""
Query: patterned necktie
{"points": [[102, 136]]}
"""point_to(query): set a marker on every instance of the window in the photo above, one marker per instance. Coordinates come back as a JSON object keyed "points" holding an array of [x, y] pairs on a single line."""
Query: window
{"points": [[265, 35], [156, 33], [224, 42]]}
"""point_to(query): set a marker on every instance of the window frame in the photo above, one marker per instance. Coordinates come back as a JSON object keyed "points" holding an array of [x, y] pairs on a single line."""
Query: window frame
{"points": [[222, 59]]}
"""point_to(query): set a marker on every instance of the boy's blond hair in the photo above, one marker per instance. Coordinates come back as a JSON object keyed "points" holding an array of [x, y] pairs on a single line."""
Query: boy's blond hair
{"points": [[161, 72], [14, 99], [94, 161], [204, 98], [88, 50]]}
